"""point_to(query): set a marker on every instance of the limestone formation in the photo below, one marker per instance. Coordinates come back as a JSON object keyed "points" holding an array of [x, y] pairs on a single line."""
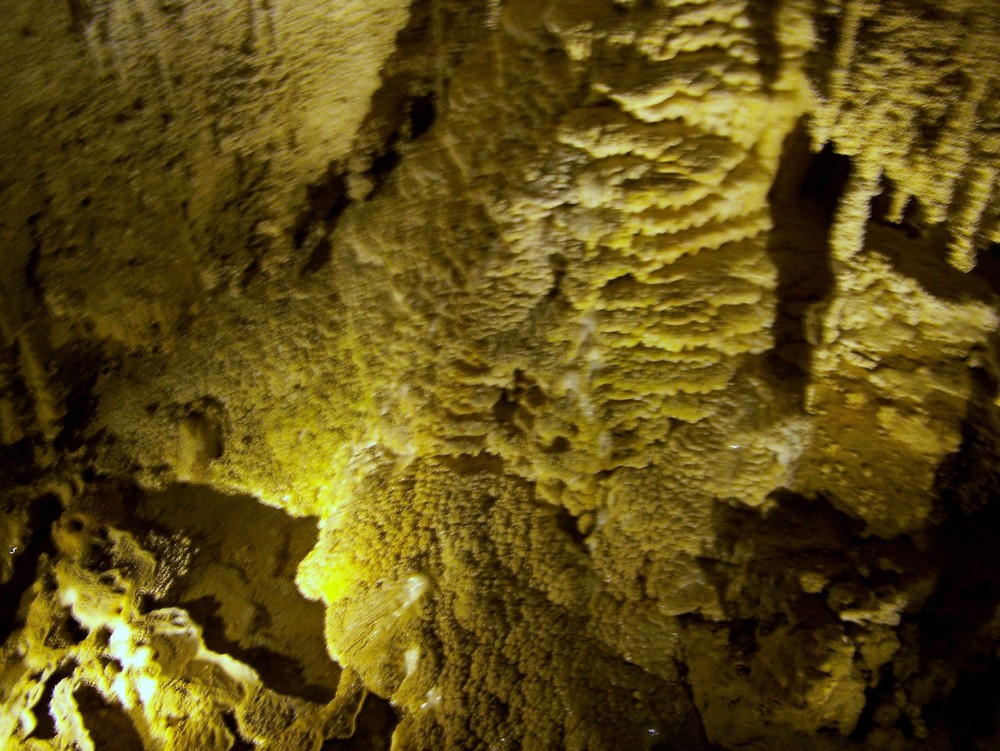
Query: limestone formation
{"points": [[434, 374]]}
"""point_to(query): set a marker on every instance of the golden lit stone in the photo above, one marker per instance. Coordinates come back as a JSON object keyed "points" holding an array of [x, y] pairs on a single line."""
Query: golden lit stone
{"points": [[574, 374]]}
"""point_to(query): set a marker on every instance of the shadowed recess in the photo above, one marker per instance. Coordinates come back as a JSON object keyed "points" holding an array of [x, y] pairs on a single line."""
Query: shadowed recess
{"points": [[239, 585]]}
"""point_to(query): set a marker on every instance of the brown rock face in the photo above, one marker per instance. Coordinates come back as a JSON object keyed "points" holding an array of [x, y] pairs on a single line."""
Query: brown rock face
{"points": [[568, 374]]}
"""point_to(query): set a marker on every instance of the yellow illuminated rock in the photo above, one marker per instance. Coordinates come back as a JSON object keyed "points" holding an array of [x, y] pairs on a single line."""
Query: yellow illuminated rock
{"points": [[571, 374]]}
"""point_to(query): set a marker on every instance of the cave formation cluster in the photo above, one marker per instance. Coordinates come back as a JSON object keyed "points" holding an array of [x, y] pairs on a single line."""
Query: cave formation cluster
{"points": [[542, 374]]}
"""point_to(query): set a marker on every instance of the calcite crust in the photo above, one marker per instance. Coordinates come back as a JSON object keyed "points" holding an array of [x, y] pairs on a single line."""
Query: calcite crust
{"points": [[611, 374]]}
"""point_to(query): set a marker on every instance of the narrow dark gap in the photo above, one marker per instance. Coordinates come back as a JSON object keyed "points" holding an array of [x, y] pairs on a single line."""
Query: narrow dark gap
{"points": [[875, 696], [423, 112], [820, 60], [559, 265], [81, 12], [79, 366], [763, 24], [319, 257], [257, 246], [505, 408], [931, 125], [403, 108], [695, 737], [412, 92], [802, 201], [329, 198], [743, 636], [988, 266], [473, 464], [34, 258], [913, 222], [43, 514], [239, 744], [326, 201], [250, 273], [569, 525], [45, 726], [560, 445], [109, 725], [373, 728], [383, 165]]}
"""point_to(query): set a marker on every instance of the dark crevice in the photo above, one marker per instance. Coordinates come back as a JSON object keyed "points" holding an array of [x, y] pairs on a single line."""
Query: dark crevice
{"points": [[403, 108], [109, 725], [383, 165], [743, 637], [257, 246], [412, 91], [794, 523], [570, 526], [956, 625], [559, 265], [517, 405], [239, 744], [43, 514], [238, 610], [395, 107], [79, 367], [826, 177], [473, 464], [74, 631], [326, 201], [559, 445], [924, 260], [696, 733], [913, 222], [65, 632], [373, 728], [45, 726], [929, 124], [318, 258], [988, 266], [423, 112], [250, 273], [17, 460], [81, 12], [875, 696], [279, 672], [505, 409], [763, 18], [34, 258], [820, 61], [802, 201]]}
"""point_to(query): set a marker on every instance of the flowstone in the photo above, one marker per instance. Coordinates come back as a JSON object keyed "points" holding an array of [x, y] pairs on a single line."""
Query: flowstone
{"points": [[584, 374]]}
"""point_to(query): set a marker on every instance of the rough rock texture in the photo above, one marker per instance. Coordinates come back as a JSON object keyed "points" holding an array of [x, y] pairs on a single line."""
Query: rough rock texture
{"points": [[611, 374]]}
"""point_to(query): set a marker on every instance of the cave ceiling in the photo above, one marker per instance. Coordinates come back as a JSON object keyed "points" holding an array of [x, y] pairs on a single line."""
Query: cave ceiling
{"points": [[436, 374]]}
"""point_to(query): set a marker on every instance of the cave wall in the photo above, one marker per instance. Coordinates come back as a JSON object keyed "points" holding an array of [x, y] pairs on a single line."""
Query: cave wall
{"points": [[577, 374]]}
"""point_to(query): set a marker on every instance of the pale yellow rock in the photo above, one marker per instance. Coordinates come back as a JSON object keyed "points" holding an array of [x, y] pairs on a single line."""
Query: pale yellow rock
{"points": [[516, 352]]}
